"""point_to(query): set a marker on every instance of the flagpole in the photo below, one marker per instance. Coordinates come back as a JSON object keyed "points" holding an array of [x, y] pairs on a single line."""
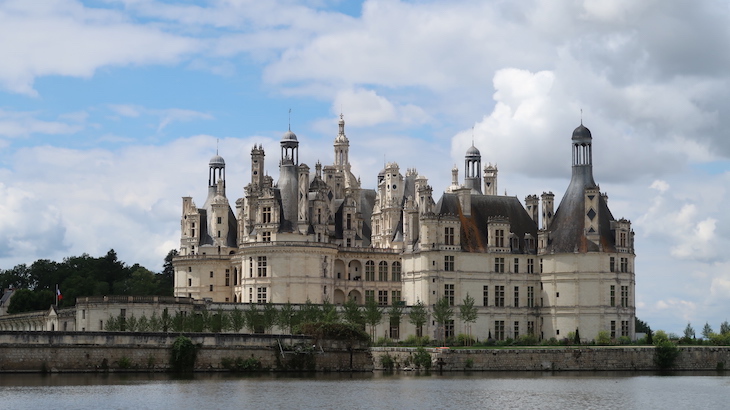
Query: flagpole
{"points": [[56, 295]]}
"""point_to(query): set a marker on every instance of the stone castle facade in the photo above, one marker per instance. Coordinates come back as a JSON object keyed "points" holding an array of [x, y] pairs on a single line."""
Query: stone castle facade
{"points": [[321, 236]]}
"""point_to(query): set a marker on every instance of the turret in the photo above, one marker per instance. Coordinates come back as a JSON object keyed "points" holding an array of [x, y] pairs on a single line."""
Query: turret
{"points": [[472, 165], [490, 179], [288, 179]]}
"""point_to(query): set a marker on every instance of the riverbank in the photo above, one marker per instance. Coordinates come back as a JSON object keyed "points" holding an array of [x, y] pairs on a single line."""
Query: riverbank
{"points": [[579, 358]]}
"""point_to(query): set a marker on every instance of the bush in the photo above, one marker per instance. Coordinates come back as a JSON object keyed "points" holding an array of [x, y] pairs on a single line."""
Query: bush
{"points": [[659, 336], [603, 338], [183, 354], [464, 340], [526, 340], [665, 354], [335, 331], [422, 358], [124, 362], [387, 362], [240, 364]]}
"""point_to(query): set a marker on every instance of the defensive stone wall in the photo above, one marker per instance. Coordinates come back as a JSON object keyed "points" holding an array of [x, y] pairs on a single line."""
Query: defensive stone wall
{"points": [[125, 351], [607, 358]]}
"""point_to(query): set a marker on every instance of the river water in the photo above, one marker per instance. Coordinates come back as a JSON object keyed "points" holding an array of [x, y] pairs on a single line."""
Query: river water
{"points": [[564, 390]]}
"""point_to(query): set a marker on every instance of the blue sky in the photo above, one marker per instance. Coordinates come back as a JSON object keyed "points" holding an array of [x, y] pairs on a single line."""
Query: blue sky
{"points": [[110, 110]]}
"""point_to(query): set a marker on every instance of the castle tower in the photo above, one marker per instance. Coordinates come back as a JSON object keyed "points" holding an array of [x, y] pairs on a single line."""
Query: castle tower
{"points": [[216, 171], [289, 180], [257, 166], [490, 179], [342, 147], [472, 166]]}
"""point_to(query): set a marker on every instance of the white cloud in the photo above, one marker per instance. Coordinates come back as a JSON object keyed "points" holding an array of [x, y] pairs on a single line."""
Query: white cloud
{"points": [[23, 124], [367, 108]]}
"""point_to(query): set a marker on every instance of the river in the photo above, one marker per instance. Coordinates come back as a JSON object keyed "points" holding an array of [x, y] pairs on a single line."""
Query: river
{"points": [[545, 390]]}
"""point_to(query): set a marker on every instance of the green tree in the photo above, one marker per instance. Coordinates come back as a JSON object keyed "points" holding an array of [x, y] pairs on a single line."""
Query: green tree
{"points": [[707, 331], [310, 313], [26, 300], [167, 278], [329, 312], [238, 321], [373, 316], [689, 332], [352, 314], [253, 318], [418, 316], [287, 317], [724, 328], [268, 317], [442, 313], [468, 313], [395, 313], [640, 326]]}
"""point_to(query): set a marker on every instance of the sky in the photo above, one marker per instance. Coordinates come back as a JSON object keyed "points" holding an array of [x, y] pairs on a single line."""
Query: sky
{"points": [[111, 109]]}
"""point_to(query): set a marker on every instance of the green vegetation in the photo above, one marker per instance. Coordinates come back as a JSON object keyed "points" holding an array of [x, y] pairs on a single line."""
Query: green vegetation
{"points": [[82, 276], [183, 355], [421, 358], [442, 313], [240, 364], [665, 355]]}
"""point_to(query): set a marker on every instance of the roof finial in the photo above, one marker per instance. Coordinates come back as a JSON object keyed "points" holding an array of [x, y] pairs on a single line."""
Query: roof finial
{"points": [[472, 135], [289, 119], [581, 116], [217, 141]]}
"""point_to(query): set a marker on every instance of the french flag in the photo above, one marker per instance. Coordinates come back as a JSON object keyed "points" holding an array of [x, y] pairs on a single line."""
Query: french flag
{"points": [[58, 294]]}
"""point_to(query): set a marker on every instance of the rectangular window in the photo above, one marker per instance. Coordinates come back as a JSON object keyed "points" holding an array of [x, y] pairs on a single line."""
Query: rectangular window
{"points": [[530, 296], [261, 295], [499, 238], [266, 214], [211, 288], [613, 295], [228, 278], [530, 328], [449, 263], [540, 265], [622, 239], [250, 267], [499, 329], [530, 265], [348, 222], [517, 266], [369, 295], [613, 329], [262, 266], [383, 297], [624, 264], [250, 295], [449, 328], [211, 274], [394, 328], [449, 236], [395, 296], [265, 236], [612, 264], [486, 295], [624, 296], [219, 220], [190, 282], [449, 293], [517, 296], [625, 328], [499, 265], [516, 331], [499, 296]]}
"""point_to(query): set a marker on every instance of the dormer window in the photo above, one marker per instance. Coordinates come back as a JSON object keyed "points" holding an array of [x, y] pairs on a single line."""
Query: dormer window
{"points": [[266, 215], [499, 238]]}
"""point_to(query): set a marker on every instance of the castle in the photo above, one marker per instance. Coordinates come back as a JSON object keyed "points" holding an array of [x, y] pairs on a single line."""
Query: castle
{"points": [[322, 237]]}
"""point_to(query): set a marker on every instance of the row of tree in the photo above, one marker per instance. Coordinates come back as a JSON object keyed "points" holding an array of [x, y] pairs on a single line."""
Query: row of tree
{"points": [[289, 318], [82, 276]]}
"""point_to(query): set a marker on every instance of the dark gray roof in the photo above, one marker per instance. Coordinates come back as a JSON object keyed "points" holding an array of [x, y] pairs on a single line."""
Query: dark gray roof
{"points": [[474, 227]]}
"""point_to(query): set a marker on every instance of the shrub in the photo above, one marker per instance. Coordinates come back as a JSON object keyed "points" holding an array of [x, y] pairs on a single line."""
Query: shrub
{"points": [[527, 340], [464, 340], [240, 364], [124, 362], [335, 331], [387, 362], [660, 336], [183, 354], [665, 354], [603, 338], [422, 358], [469, 363]]}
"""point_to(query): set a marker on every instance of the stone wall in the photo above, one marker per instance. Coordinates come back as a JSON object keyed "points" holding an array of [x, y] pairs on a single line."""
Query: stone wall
{"points": [[568, 358], [124, 351]]}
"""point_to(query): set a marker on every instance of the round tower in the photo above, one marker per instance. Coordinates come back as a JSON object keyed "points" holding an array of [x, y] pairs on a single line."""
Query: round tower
{"points": [[472, 168]]}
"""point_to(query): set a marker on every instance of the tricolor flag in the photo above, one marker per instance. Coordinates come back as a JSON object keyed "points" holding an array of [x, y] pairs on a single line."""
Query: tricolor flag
{"points": [[59, 296]]}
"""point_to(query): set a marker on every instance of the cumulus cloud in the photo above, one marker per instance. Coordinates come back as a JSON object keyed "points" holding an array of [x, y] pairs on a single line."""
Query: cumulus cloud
{"points": [[367, 108], [22, 124]]}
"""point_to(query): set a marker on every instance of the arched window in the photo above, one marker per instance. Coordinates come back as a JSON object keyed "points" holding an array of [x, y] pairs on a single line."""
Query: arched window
{"points": [[370, 271], [395, 272], [383, 271]]}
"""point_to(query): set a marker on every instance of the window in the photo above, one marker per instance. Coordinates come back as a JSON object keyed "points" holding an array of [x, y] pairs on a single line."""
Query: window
{"points": [[499, 329], [235, 276], [190, 268], [530, 265], [83, 313], [394, 328], [266, 236], [625, 328], [449, 329], [348, 222], [348, 243], [613, 295], [250, 267], [612, 264], [266, 214], [395, 296], [486, 296], [383, 297], [260, 295], [219, 220], [262, 266], [624, 264], [211, 274], [369, 295], [228, 278], [449, 293], [530, 328], [517, 296], [517, 265], [211, 288], [540, 265], [395, 274], [624, 296], [250, 295], [499, 238], [449, 263], [613, 329], [516, 331], [190, 282], [319, 215], [499, 265], [448, 236], [499, 297], [383, 271], [530, 296], [622, 239], [370, 271]]}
